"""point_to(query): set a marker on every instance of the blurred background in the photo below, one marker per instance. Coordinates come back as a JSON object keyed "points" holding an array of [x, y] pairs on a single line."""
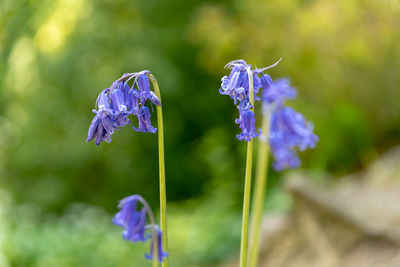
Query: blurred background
{"points": [[58, 193]]}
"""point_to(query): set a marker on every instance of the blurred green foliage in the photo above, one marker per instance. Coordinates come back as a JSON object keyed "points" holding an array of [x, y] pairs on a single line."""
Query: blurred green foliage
{"points": [[56, 56]]}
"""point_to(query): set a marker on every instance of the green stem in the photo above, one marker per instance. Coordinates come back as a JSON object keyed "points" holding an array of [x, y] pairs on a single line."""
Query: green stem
{"points": [[259, 194], [247, 185], [163, 194], [153, 230]]}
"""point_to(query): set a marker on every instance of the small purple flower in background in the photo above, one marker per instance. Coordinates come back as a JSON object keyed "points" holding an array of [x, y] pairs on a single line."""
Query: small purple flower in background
{"points": [[132, 220], [160, 252], [134, 223], [288, 129], [116, 103], [236, 85], [277, 92]]}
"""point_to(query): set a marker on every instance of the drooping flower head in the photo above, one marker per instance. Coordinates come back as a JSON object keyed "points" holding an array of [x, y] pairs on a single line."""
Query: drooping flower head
{"points": [[133, 220], [288, 129], [116, 103], [236, 85]]}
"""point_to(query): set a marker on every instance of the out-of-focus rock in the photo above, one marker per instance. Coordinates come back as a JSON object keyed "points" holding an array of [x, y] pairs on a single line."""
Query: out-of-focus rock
{"points": [[352, 222]]}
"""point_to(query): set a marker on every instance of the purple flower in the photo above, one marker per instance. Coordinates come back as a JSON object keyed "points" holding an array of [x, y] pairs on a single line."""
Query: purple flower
{"points": [[154, 99], [160, 252], [247, 122], [116, 103], [289, 130], [143, 85], [133, 221], [120, 109], [101, 127], [236, 85], [285, 158], [133, 101], [277, 92], [144, 121]]}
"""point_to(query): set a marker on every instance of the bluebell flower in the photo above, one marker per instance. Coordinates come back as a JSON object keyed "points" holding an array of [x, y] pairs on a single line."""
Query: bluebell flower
{"points": [[101, 127], [124, 87], [143, 85], [160, 252], [133, 221], [236, 85], [154, 99], [133, 101], [277, 92], [144, 121], [289, 130], [284, 157], [116, 103], [247, 122], [120, 109]]}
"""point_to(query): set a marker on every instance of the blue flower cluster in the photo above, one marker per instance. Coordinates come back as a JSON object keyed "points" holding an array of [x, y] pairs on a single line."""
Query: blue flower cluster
{"points": [[236, 85], [134, 223], [288, 129], [116, 103]]}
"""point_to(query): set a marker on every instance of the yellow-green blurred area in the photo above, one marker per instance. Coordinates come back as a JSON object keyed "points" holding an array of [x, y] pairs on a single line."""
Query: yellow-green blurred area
{"points": [[58, 193]]}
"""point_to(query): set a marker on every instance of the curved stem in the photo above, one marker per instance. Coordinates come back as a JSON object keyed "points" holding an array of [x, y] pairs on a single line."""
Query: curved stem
{"points": [[247, 185], [153, 229], [161, 161], [260, 188]]}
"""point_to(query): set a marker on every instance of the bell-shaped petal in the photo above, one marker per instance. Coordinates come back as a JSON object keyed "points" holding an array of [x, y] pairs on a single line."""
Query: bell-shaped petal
{"points": [[289, 130], [103, 101], [277, 92], [144, 121], [118, 101], [133, 101], [154, 99], [299, 128], [93, 128], [247, 123], [132, 220], [101, 127], [160, 251], [102, 135], [143, 84]]}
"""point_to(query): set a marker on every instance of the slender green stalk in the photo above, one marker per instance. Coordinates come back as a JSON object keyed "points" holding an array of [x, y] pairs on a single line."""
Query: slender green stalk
{"points": [[163, 194], [153, 230], [259, 194], [247, 186]]}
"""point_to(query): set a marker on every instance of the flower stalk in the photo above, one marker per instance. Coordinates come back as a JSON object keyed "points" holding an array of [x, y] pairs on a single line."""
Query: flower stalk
{"points": [[260, 188], [247, 183], [161, 160], [134, 223], [153, 230]]}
